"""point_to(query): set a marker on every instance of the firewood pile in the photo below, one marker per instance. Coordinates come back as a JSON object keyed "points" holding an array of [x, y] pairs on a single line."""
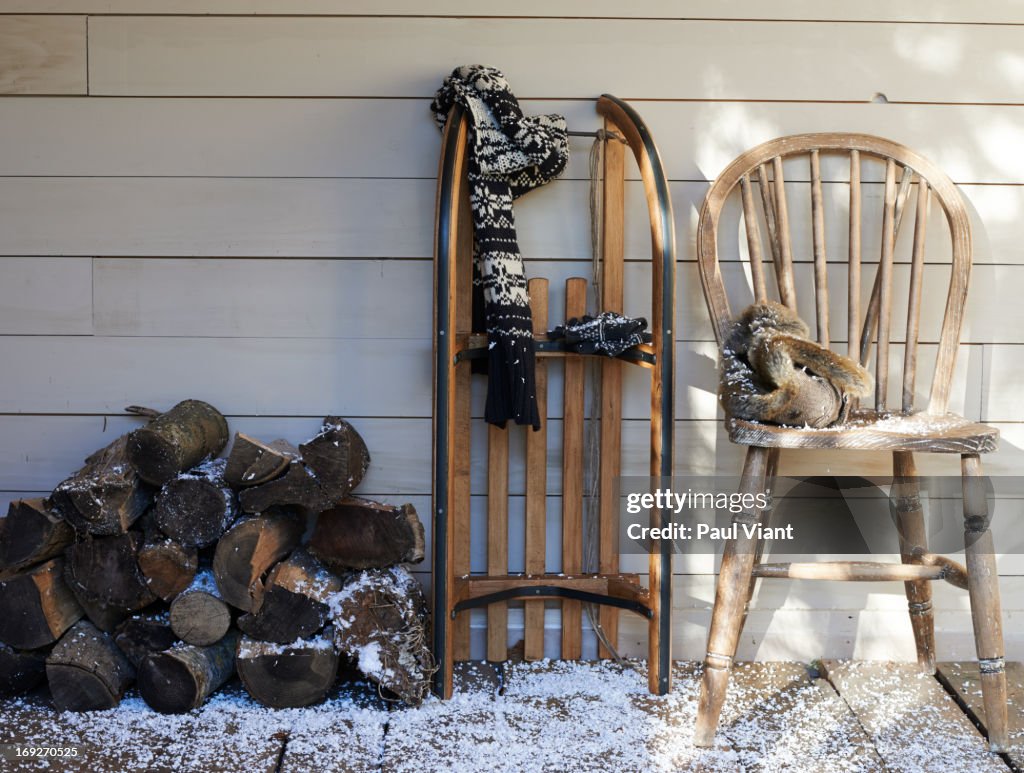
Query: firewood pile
{"points": [[161, 565]]}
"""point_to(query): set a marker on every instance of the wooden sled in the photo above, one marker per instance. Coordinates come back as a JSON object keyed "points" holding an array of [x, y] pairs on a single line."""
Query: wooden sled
{"points": [[456, 589]]}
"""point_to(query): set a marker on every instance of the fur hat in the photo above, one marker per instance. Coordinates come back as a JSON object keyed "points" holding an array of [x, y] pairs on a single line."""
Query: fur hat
{"points": [[772, 372]]}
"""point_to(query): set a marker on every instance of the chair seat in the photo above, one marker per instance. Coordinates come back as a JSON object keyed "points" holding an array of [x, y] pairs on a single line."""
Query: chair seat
{"points": [[875, 431]]}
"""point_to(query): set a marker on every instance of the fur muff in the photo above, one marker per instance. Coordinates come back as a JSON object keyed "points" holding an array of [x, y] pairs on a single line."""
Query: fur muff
{"points": [[772, 372]]}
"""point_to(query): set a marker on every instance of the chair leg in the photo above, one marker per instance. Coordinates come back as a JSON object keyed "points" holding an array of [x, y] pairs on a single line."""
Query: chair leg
{"points": [[765, 518], [983, 586], [730, 599], [906, 495]]}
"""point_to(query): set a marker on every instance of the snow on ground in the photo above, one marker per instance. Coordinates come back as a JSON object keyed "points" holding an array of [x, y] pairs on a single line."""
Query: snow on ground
{"points": [[547, 716]]}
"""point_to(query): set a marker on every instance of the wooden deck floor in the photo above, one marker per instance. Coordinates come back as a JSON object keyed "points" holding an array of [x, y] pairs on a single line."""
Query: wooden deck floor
{"points": [[556, 716]]}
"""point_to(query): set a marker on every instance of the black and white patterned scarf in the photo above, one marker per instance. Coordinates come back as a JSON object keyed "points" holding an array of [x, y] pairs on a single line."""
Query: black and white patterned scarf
{"points": [[509, 155]]}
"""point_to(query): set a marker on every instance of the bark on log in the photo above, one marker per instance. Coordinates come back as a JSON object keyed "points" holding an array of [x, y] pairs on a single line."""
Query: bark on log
{"points": [[140, 635], [177, 440], [252, 462], [288, 675], [295, 602], [296, 488], [199, 615], [105, 497], [20, 671], [31, 533], [380, 621], [36, 606], [105, 570], [196, 507], [360, 534], [168, 566], [86, 670], [248, 550], [183, 677], [337, 456]]}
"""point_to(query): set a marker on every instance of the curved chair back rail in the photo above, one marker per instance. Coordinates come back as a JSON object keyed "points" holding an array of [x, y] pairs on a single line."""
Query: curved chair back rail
{"points": [[764, 195], [454, 347]]}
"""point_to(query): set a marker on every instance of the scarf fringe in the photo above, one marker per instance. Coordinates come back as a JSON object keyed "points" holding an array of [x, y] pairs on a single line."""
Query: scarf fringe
{"points": [[512, 382]]}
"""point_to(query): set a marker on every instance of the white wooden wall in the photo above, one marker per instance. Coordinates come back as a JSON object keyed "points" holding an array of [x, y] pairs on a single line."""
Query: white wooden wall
{"points": [[233, 200]]}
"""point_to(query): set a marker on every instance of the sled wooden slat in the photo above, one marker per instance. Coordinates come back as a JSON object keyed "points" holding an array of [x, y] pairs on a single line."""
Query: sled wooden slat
{"points": [[457, 589], [572, 474], [497, 537], [536, 481]]}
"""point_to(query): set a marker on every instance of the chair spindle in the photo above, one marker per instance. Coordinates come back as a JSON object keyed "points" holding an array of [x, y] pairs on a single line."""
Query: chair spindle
{"points": [[753, 240], [853, 297], [914, 301], [787, 293], [885, 285], [820, 257]]}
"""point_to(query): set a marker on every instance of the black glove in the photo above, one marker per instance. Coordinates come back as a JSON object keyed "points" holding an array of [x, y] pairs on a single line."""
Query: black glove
{"points": [[607, 333]]}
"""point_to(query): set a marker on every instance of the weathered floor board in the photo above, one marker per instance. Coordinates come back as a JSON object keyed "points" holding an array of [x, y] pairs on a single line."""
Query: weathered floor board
{"points": [[778, 718], [913, 723], [962, 678]]}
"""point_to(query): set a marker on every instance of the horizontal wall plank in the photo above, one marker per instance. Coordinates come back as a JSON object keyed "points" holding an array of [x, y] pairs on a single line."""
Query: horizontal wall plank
{"points": [[375, 218], [43, 55], [284, 56], [872, 10], [241, 137], [1003, 376], [45, 296], [316, 376], [363, 377], [300, 298]]}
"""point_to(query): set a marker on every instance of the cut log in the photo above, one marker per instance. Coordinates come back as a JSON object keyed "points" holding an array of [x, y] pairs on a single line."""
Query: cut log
{"points": [[105, 570], [86, 670], [20, 671], [380, 622], [288, 675], [198, 615], [36, 606], [295, 602], [183, 677], [31, 533], [360, 534], [105, 497], [142, 634], [197, 506], [337, 456], [248, 550], [298, 487], [104, 616], [175, 441], [252, 463], [168, 566]]}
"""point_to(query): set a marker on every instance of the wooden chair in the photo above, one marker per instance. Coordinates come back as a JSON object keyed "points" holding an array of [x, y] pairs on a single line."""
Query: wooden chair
{"points": [[763, 192], [456, 589]]}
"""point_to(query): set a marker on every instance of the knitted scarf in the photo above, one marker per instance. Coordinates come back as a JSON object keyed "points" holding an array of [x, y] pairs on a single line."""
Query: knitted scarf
{"points": [[509, 155]]}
